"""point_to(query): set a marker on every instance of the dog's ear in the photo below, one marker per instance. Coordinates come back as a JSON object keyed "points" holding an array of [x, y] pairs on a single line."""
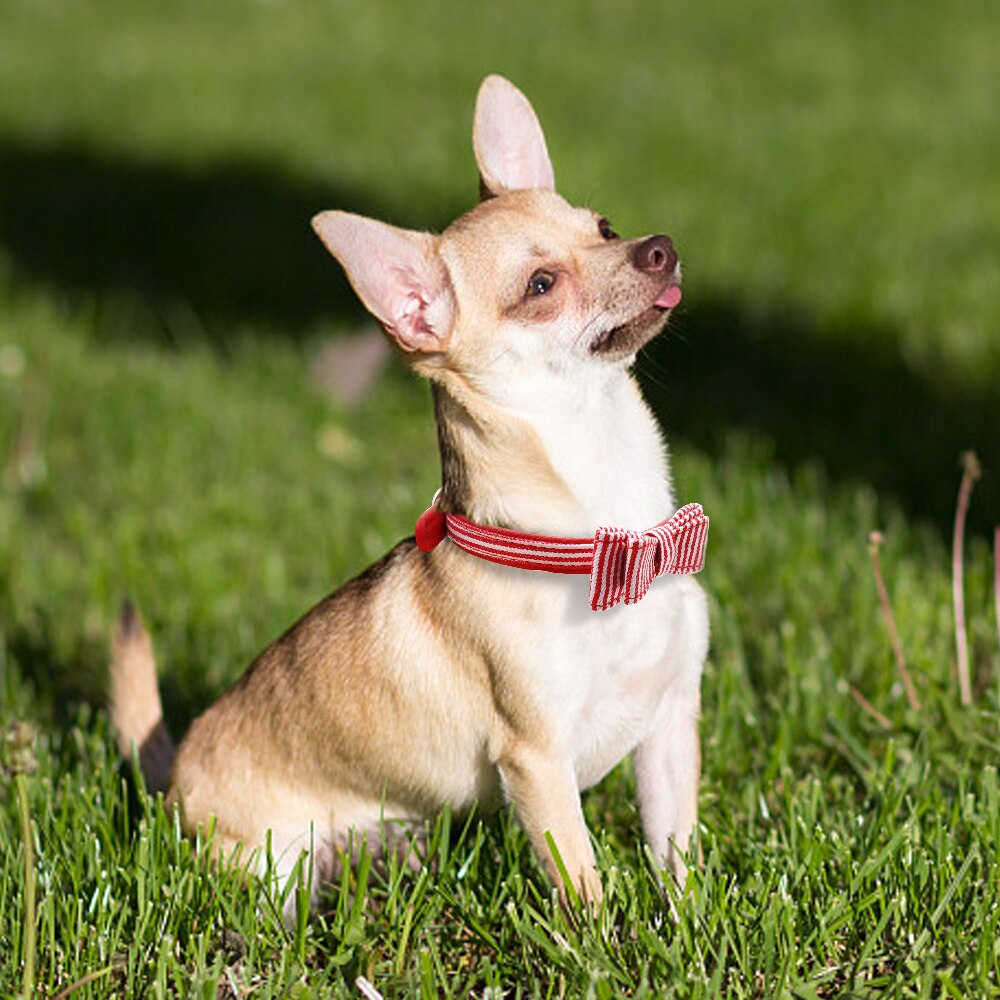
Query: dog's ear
{"points": [[398, 275], [508, 141]]}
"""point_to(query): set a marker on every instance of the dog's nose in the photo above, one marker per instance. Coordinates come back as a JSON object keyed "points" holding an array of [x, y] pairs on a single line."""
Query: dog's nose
{"points": [[656, 255]]}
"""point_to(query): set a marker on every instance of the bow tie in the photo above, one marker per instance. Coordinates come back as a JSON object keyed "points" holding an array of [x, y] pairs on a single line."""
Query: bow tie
{"points": [[627, 562], [622, 563]]}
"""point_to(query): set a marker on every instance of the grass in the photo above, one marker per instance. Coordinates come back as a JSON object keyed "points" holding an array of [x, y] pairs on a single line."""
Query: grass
{"points": [[828, 173]]}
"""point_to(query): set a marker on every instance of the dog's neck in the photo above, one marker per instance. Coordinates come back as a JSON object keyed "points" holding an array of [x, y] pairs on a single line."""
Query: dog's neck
{"points": [[558, 456]]}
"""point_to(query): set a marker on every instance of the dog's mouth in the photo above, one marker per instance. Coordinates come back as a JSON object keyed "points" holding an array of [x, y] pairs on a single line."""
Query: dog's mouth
{"points": [[628, 337]]}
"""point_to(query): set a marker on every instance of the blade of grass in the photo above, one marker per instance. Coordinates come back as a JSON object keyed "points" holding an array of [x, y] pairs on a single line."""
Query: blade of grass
{"points": [[996, 577], [868, 707], [366, 989], [19, 762], [28, 947], [971, 471], [86, 980], [571, 892], [926, 934], [874, 542]]}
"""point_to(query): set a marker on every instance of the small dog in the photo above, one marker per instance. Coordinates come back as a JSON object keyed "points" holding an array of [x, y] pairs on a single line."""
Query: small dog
{"points": [[446, 677]]}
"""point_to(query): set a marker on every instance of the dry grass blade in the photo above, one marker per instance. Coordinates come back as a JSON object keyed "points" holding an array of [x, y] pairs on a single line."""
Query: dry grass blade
{"points": [[874, 541], [868, 707], [971, 471]]}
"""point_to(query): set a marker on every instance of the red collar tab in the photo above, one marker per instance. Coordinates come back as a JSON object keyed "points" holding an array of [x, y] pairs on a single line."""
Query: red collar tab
{"points": [[622, 564]]}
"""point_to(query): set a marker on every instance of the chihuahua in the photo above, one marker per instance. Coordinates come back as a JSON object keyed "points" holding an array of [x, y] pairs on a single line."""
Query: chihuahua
{"points": [[448, 677]]}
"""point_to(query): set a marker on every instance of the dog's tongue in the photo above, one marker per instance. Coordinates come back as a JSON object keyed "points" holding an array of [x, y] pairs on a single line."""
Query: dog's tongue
{"points": [[669, 297]]}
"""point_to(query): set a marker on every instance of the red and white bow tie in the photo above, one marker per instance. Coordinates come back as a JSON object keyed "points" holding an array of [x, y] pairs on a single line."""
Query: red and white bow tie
{"points": [[622, 564]]}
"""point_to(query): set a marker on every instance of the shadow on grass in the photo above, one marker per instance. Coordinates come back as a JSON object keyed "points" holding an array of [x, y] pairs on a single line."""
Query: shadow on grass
{"points": [[62, 675], [65, 668], [845, 399], [231, 243]]}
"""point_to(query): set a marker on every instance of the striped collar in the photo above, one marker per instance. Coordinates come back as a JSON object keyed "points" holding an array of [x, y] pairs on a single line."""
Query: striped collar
{"points": [[621, 563]]}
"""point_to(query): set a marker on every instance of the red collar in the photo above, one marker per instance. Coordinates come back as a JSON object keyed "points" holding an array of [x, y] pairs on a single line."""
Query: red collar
{"points": [[622, 564]]}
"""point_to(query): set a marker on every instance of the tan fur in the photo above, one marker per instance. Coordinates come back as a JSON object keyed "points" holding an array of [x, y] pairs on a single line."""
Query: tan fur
{"points": [[135, 702], [439, 679]]}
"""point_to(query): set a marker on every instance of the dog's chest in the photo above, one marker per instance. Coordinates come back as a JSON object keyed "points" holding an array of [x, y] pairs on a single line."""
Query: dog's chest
{"points": [[597, 678], [601, 676]]}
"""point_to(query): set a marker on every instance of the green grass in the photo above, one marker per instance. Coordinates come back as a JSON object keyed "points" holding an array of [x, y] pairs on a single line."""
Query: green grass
{"points": [[829, 174]]}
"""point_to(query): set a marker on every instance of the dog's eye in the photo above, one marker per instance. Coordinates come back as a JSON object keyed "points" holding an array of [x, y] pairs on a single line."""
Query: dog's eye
{"points": [[606, 231], [541, 282]]}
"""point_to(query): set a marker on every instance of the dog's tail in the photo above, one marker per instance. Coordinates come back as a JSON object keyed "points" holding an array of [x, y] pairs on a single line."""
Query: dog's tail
{"points": [[136, 711]]}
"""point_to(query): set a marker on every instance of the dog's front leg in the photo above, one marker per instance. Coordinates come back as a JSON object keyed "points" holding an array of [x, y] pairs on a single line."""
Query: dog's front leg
{"points": [[667, 769], [545, 792], [668, 761]]}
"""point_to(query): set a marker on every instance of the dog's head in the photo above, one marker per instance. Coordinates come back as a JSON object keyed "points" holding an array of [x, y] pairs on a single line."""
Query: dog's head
{"points": [[522, 283]]}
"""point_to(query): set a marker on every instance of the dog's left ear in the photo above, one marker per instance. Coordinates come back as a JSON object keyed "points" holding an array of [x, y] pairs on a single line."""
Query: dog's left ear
{"points": [[398, 275], [508, 141]]}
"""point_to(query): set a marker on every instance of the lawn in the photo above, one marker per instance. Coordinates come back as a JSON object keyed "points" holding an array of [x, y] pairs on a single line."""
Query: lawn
{"points": [[828, 173]]}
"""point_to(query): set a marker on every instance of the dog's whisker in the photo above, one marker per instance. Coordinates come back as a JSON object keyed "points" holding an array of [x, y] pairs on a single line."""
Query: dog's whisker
{"points": [[588, 326]]}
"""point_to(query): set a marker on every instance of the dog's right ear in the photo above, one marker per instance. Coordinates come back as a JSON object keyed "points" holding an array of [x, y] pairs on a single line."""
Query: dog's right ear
{"points": [[397, 274], [508, 141]]}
